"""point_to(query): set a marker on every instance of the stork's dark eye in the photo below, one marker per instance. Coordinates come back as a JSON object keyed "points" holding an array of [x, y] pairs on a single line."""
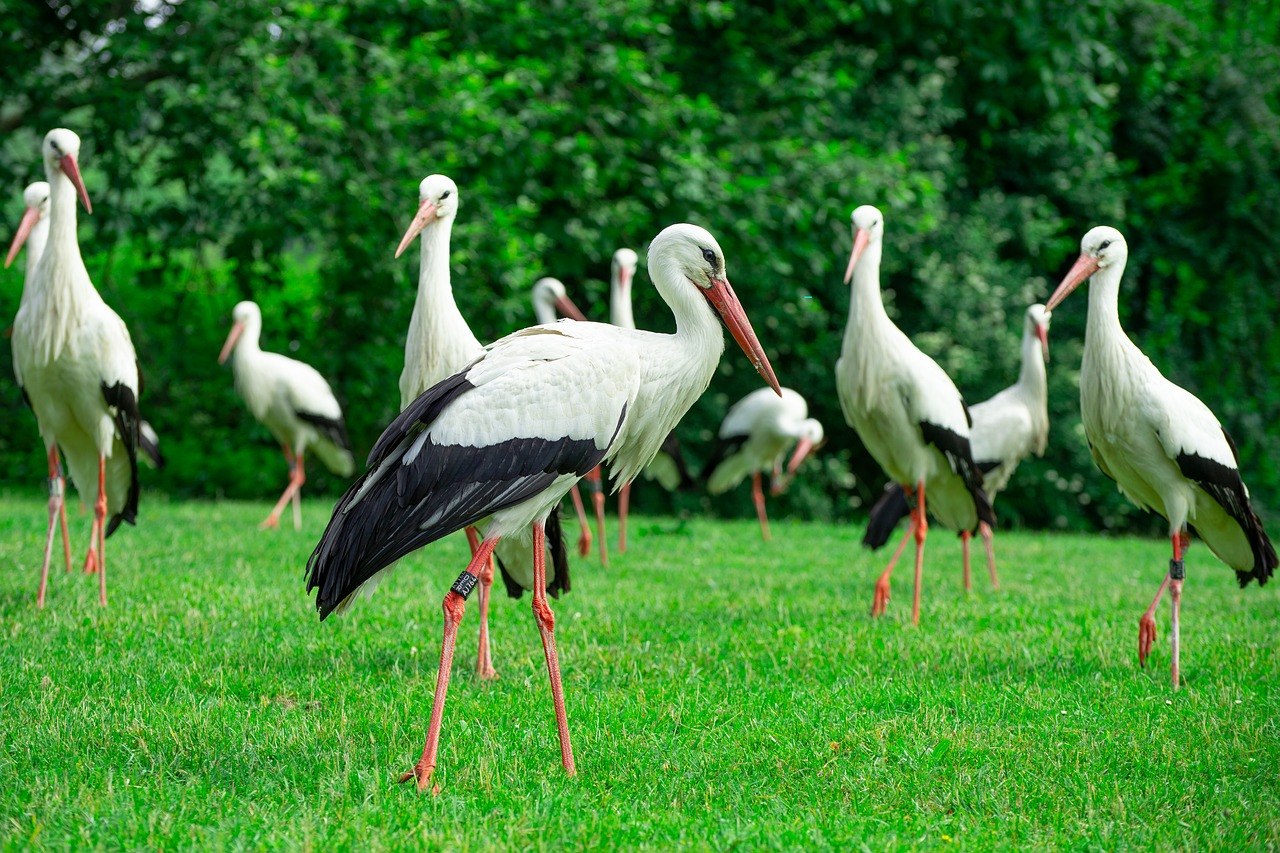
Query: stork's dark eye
{"points": [[1104, 245], [54, 145], [709, 256], [445, 194]]}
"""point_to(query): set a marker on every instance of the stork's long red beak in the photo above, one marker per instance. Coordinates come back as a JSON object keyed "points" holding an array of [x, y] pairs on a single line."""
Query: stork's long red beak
{"points": [[567, 309], [236, 331], [860, 240], [624, 278], [1085, 266], [725, 301], [29, 220], [72, 170], [426, 213], [1043, 334], [803, 449]]}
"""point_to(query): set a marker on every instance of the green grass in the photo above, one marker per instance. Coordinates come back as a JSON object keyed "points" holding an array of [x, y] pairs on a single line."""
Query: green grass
{"points": [[720, 693]]}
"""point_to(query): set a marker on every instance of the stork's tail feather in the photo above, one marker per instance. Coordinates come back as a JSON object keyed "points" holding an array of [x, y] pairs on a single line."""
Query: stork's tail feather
{"points": [[121, 398], [1264, 553], [892, 507], [149, 445]]}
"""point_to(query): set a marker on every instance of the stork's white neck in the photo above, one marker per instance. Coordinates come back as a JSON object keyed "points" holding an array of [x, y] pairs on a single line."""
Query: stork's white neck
{"points": [[435, 287], [1033, 378], [866, 305], [544, 311], [250, 338], [35, 250], [620, 302], [1103, 326], [60, 290]]}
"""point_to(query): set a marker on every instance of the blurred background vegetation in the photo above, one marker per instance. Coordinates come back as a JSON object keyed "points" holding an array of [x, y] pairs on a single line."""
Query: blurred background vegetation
{"points": [[272, 149]]}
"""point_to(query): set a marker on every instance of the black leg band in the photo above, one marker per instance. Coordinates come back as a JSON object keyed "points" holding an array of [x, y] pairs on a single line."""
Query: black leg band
{"points": [[464, 585], [1176, 571]]}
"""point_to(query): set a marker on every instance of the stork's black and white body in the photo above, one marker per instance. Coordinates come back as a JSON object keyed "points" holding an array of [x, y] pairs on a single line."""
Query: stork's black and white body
{"points": [[293, 401], [754, 437], [507, 437], [906, 410], [1006, 429], [1163, 447], [76, 364]]}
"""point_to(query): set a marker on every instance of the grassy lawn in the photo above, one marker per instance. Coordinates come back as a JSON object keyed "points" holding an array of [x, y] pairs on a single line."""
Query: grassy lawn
{"points": [[720, 692]]}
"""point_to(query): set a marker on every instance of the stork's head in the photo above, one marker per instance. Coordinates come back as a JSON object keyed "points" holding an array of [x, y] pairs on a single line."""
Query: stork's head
{"points": [[1101, 247], [245, 315], [1037, 324], [437, 201], [624, 268], [685, 253], [868, 228], [812, 437], [36, 199], [550, 296], [61, 149]]}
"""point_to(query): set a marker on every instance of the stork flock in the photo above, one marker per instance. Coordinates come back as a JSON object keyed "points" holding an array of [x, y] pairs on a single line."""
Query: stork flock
{"points": [[490, 439]]}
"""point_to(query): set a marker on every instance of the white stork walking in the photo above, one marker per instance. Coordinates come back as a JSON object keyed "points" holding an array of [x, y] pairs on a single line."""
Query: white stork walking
{"points": [[1163, 447], [906, 410], [77, 367], [754, 437], [1006, 429], [293, 401], [505, 438]]}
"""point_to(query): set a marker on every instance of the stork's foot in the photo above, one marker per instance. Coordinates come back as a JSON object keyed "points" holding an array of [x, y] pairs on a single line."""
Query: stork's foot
{"points": [[421, 774], [1146, 637], [91, 562], [486, 672], [881, 600], [584, 543], [271, 522]]}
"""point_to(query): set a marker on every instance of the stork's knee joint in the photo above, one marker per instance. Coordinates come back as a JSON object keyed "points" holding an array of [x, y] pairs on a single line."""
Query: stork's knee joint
{"points": [[542, 612], [922, 528]]}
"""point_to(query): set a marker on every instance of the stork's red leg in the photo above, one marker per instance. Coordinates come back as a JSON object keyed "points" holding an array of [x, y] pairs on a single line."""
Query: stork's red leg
{"points": [[757, 495], [965, 536], [297, 476], [988, 541], [881, 600], [93, 560], [100, 529], [484, 662], [1147, 625], [921, 530], [624, 504], [547, 628], [62, 519], [56, 507], [584, 527], [595, 485], [1175, 593], [454, 605], [297, 495]]}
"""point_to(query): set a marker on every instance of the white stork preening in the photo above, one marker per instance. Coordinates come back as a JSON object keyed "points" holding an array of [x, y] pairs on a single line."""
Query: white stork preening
{"points": [[292, 400], [1006, 429], [75, 362], [754, 437], [505, 438], [1163, 447], [906, 410]]}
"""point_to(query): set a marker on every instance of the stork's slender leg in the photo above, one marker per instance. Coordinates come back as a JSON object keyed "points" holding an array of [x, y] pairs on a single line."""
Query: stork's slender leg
{"points": [[922, 530], [988, 541], [297, 476], [62, 519], [1175, 593], [93, 560], [1147, 624], [547, 628], [56, 507], [454, 605], [881, 600], [624, 504], [965, 536], [584, 527], [297, 496], [595, 485], [757, 495], [484, 662], [100, 529]]}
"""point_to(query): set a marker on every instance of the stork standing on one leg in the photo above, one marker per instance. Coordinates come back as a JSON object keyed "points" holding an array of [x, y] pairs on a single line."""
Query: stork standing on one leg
{"points": [[505, 439], [906, 410], [1006, 429], [1163, 447], [77, 366], [293, 401], [754, 437]]}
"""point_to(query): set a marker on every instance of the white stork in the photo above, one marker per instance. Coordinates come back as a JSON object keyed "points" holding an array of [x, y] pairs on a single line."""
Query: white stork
{"points": [[505, 438], [906, 410], [1006, 429], [292, 400], [75, 362], [754, 437], [1163, 447], [668, 467]]}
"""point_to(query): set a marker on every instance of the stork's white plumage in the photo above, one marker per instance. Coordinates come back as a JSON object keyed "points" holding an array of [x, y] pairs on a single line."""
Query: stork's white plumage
{"points": [[292, 400], [507, 437], [1163, 447], [905, 408], [75, 362], [754, 437]]}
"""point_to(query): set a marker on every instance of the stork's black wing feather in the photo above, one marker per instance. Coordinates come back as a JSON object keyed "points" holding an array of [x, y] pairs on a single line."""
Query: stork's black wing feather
{"points": [[1224, 484], [334, 429], [121, 398], [892, 507], [960, 456]]}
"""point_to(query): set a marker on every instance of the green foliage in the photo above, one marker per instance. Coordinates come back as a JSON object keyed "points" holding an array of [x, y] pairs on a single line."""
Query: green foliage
{"points": [[273, 150], [712, 703]]}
